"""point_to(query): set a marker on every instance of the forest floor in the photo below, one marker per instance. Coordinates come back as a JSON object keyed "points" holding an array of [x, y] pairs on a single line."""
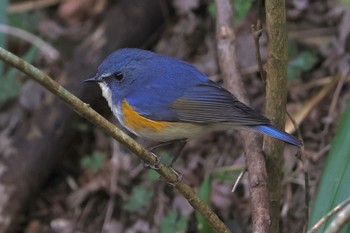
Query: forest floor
{"points": [[98, 186]]}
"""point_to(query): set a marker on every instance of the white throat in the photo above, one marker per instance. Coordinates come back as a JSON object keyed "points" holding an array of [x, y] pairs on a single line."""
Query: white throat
{"points": [[116, 108]]}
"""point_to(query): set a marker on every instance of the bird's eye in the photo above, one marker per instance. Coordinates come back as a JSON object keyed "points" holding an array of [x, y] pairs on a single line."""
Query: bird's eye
{"points": [[119, 76]]}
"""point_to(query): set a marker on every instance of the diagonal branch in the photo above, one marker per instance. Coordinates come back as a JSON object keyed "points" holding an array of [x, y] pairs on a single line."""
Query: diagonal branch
{"points": [[84, 110]]}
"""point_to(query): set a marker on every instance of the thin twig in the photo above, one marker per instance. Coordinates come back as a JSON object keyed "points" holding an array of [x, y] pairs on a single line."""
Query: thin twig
{"points": [[87, 112], [239, 178], [31, 5], [295, 126], [47, 50], [112, 187], [257, 32], [324, 219], [334, 102], [339, 221], [308, 106], [304, 163]]}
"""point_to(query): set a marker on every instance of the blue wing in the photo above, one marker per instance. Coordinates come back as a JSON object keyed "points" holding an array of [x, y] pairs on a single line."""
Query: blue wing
{"points": [[168, 89], [210, 103], [202, 102]]}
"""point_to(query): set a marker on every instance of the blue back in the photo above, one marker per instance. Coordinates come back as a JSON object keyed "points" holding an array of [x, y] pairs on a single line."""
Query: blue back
{"points": [[168, 89], [162, 88]]}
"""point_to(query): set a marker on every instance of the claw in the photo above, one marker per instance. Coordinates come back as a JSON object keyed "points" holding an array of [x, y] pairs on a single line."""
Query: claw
{"points": [[182, 143], [155, 165], [179, 177]]}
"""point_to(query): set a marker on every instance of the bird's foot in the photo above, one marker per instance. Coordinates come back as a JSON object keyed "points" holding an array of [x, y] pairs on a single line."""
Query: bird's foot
{"points": [[178, 177], [153, 166]]}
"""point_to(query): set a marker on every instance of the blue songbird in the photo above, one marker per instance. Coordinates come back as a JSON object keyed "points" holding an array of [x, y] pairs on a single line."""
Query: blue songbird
{"points": [[162, 98]]}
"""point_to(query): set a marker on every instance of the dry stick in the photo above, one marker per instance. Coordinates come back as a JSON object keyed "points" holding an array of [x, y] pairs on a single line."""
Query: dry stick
{"points": [[31, 5], [255, 161], [257, 31], [47, 50], [324, 219], [339, 221], [276, 98], [311, 103], [334, 103], [112, 189], [85, 111], [302, 158], [239, 178]]}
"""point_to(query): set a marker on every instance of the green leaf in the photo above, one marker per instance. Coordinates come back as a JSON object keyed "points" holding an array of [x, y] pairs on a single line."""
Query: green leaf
{"points": [[334, 187], [94, 162], [152, 175], [204, 193], [241, 9], [303, 62], [9, 88], [172, 222], [345, 2], [212, 9], [140, 198]]}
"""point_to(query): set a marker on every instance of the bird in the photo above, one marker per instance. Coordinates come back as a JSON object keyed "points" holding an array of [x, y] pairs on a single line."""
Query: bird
{"points": [[162, 99]]}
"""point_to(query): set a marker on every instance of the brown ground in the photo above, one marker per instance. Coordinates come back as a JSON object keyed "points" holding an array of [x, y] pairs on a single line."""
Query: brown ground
{"points": [[123, 196]]}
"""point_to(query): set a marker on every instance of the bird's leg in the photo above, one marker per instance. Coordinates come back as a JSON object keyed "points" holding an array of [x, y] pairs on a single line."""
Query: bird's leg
{"points": [[178, 153], [152, 148], [153, 166], [178, 177], [182, 143], [161, 144]]}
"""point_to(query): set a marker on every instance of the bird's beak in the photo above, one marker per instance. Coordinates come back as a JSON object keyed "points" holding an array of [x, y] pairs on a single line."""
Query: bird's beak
{"points": [[96, 78]]}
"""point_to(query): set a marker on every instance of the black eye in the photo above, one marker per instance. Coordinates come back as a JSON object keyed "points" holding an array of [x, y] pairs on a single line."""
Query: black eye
{"points": [[119, 76]]}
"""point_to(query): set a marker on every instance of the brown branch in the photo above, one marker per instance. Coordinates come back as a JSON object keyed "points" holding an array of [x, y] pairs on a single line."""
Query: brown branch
{"points": [[85, 111], [252, 142], [37, 136], [257, 32], [31, 5], [276, 96]]}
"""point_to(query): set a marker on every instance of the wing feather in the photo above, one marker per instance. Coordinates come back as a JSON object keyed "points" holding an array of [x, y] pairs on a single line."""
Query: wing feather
{"points": [[204, 102], [210, 103]]}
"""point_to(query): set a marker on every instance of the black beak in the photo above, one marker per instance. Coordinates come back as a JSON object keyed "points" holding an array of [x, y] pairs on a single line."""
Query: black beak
{"points": [[96, 78]]}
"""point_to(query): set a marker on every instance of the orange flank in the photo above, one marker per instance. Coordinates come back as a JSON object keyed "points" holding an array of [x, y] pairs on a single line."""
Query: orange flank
{"points": [[136, 122]]}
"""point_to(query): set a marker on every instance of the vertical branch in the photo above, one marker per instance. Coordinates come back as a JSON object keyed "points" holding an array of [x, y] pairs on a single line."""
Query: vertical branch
{"points": [[252, 142], [276, 92]]}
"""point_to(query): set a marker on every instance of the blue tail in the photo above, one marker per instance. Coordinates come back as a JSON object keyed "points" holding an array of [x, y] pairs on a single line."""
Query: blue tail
{"points": [[276, 133]]}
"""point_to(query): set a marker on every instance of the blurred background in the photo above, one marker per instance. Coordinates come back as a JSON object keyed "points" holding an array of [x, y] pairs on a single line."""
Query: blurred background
{"points": [[58, 173]]}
